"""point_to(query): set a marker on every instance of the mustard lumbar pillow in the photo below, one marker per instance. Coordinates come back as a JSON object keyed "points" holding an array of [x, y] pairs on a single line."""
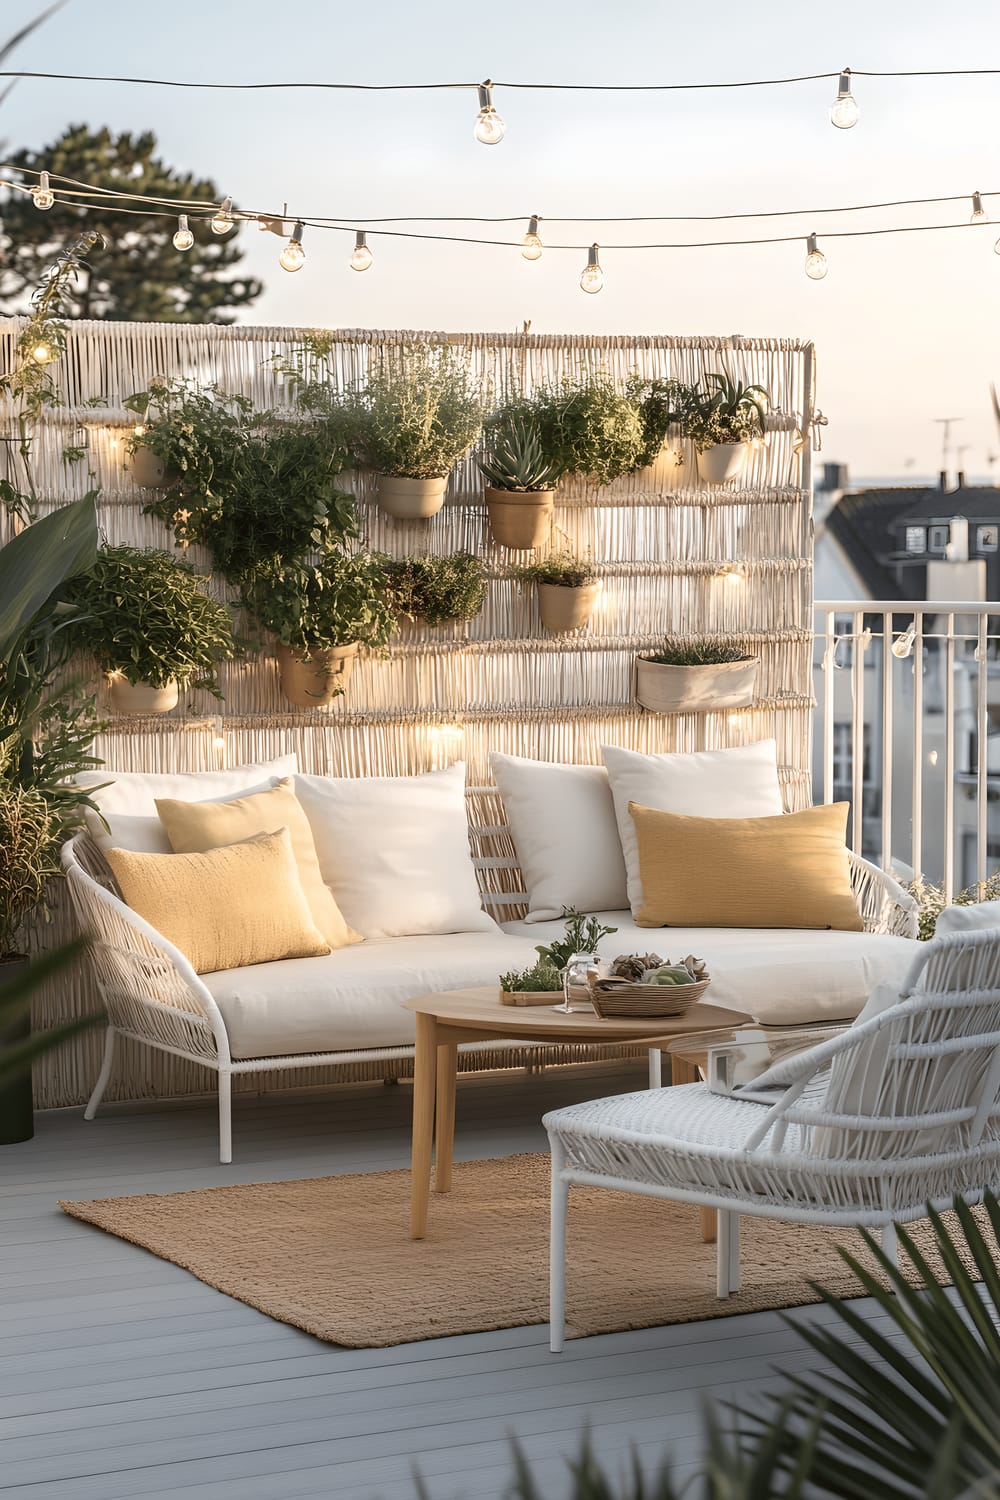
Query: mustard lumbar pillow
{"points": [[194, 827], [226, 908], [785, 871]]}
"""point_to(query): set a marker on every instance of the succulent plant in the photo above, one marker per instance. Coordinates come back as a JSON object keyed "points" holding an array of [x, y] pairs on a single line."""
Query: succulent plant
{"points": [[696, 967], [632, 966], [518, 462]]}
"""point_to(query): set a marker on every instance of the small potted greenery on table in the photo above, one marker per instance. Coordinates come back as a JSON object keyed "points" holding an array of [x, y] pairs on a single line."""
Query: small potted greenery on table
{"points": [[411, 422], [542, 982], [437, 589], [695, 677], [521, 480], [568, 589], [153, 630], [321, 614], [723, 420]]}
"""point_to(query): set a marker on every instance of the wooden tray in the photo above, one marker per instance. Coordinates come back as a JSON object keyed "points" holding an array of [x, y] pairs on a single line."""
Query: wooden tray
{"points": [[530, 997], [653, 1000]]}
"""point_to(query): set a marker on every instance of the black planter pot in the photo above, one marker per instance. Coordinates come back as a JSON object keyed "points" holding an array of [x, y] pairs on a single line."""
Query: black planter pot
{"points": [[16, 1111]]}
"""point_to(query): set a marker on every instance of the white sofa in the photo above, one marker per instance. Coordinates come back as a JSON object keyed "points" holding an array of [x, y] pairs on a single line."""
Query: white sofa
{"points": [[345, 1006]]}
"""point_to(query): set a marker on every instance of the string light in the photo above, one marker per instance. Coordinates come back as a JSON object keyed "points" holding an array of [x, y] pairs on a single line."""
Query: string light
{"points": [[489, 129], [902, 646], [293, 257], [979, 214], [41, 354], [223, 220], [362, 257], [42, 195], [844, 111], [816, 266], [592, 277], [532, 247], [183, 239]]}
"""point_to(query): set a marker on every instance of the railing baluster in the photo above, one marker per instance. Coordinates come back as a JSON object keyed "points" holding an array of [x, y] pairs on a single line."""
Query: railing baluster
{"points": [[858, 732], [887, 746], [829, 684], [982, 752], [949, 758], [917, 814]]}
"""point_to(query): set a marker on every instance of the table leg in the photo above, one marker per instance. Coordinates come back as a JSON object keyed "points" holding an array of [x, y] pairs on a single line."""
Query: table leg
{"points": [[709, 1225], [444, 1142], [424, 1077]]}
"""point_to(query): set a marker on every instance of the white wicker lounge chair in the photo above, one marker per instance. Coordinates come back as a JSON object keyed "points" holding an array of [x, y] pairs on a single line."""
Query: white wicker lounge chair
{"points": [[900, 1110]]}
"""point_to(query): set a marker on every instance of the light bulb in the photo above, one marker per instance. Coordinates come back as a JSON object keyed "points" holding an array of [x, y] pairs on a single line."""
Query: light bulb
{"points": [[591, 277], [531, 249], [996, 248], [293, 257], [223, 221], [42, 196], [902, 646], [489, 127], [816, 266], [362, 257], [844, 111], [41, 354], [979, 214], [183, 239]]}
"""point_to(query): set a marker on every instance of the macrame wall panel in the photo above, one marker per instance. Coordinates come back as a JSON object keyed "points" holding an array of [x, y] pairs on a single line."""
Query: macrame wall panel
{"points": [[674, 558]]}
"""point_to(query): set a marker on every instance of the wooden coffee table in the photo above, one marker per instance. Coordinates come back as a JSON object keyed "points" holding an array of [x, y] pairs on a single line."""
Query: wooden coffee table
{"points": [[476, 1015]]}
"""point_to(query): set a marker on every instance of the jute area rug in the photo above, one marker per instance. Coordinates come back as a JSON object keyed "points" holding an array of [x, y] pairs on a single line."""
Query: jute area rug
{"points": [[333, 1256]]}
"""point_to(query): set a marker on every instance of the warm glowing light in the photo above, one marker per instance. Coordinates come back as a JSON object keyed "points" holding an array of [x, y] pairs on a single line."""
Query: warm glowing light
{"points": [[592, 277], [531, 249], [489, 128], [902, 646], [42, 196], [293, 257], [844, 111], [979, 214], [816, 266], [224, 221], [932, 757], [362, 257], [41, 354], [138, 429], [183, 239]]}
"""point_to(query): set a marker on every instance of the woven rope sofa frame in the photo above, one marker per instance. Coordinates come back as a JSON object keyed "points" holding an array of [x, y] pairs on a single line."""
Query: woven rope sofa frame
{"points": [[929, 1067], [152, 995]]}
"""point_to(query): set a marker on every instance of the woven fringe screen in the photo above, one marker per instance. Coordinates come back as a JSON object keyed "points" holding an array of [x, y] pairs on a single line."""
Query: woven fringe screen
{"points": [[659, 539]]}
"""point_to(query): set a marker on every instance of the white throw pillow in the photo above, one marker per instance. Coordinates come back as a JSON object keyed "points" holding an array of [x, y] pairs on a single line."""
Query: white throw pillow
{"points": [[394, 851], [737, 783], [977, 918], [128, 802], [562, 821]]}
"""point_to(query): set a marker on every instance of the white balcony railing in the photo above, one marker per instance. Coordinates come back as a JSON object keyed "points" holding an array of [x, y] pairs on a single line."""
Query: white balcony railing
{"points": [[915, 746]]}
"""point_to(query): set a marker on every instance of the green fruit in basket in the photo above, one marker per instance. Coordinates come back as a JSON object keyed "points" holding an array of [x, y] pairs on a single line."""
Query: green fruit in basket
{"points": [[668, 974]]}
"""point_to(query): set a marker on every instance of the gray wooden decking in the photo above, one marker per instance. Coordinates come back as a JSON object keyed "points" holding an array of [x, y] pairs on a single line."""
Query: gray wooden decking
{"points": [[121, 1375]]}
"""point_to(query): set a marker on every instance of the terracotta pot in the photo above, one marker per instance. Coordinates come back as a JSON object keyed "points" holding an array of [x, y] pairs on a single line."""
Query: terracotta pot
{"points": [[16, 1104], [149, 471], [723, 462], [141, 698], [411, 499], [520, 519], [564, 608], [316, 682], [702, 689]]}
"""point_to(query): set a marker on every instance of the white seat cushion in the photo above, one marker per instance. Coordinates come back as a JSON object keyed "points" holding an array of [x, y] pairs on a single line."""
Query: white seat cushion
{"points": [[352, 998], [782, 977]]}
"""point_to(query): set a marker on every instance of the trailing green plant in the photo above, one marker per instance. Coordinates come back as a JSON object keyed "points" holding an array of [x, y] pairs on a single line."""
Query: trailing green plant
{"points": [[725, 412], [582, 935], [312, 606], [585, 425], [517, 460], [564, 569], [419, 411], [195, 431], [145, 617], [662, 404], [538, 976], [697, 654], [437, 588], [931, 900]]}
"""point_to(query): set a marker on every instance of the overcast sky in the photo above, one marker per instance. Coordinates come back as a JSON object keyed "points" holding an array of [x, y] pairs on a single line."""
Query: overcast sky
{"points": [[906, 326]]}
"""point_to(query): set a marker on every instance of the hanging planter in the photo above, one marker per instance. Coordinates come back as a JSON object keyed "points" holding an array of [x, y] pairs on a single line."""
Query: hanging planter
{"points": [[149, 471], [436, 589], [520, 519], [565, 607], [410, 499], [723, 421], [695, 678], [142, 697], [722, 463], [315, 681]]}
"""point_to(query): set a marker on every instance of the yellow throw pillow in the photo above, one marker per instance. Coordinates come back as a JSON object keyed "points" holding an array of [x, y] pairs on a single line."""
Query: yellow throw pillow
{"points": [[193, 827], [227, 908], [786, 871]]}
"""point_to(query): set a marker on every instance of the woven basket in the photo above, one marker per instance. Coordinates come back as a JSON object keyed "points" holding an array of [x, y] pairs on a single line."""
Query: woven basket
{"points": [[640, 1000]]}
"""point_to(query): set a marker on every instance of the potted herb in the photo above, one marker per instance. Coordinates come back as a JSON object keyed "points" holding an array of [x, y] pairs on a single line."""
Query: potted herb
{"points": [[662, 405], [437, 589], [695, 677], [320, 615], [414, 418], [539, 984], [542, 982], [723, 420], [185, 435], [153, 630], [586, 426], [521, 480], [568, 589]]}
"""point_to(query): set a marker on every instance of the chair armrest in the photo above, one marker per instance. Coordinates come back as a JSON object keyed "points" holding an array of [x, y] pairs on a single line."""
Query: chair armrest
{"points": [[883, 904]]}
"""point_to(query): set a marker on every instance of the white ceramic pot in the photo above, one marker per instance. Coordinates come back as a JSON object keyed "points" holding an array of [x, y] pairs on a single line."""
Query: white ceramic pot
{"points": [[316, 682], [723, 462], [140, 698], [563, 608], [520, 519], [411, 499], [702, 689], [149, 471]]}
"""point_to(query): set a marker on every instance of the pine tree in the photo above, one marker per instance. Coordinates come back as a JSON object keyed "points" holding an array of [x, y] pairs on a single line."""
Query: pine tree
{"points": [[139, 276]]}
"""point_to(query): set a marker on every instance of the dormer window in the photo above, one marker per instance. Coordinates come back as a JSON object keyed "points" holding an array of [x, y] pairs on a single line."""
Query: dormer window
{"points": [[986, 538], [916, 539], [938, 538]]}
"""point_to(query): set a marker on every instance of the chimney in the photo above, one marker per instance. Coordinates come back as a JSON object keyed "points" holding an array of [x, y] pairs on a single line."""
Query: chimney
{"points": [[943, 480], [960, 480]]}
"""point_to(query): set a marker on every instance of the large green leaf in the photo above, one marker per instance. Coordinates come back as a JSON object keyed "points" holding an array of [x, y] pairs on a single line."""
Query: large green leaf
{"points": [[16, 994], [37, 562]]}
